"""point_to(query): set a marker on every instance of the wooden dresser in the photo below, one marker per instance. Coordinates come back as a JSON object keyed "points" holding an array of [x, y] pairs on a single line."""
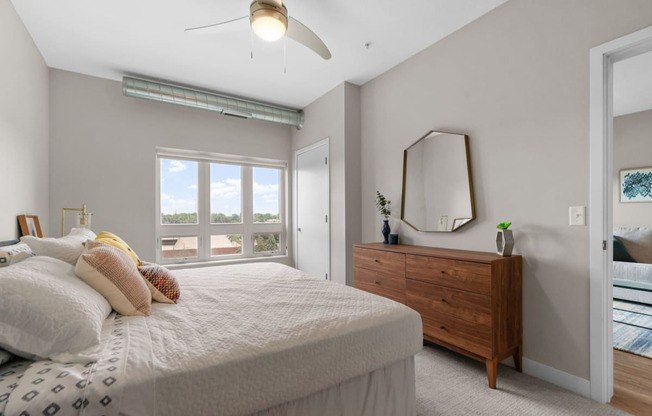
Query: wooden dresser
{"points": [[469, 301]]}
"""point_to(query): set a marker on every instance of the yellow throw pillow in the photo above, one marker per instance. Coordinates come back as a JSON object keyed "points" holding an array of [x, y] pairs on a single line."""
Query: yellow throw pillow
{"points": [[117, 242]]}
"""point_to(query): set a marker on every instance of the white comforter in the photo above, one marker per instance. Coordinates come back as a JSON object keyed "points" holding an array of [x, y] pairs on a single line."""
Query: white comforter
{"points": [[244, 338], [248, 337]]}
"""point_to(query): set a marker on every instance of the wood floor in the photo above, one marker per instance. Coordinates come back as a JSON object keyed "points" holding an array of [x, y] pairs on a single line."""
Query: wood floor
{"points": [[632, 383]]}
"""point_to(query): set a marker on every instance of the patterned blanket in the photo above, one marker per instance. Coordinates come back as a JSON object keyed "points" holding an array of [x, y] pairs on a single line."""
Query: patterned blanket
{"points": [[50, 388]]}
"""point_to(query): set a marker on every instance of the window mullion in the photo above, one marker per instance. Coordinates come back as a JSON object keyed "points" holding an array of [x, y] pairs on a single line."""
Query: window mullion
{"points": [[247, 211], [158, 228], [282, 195], [204, 210]]}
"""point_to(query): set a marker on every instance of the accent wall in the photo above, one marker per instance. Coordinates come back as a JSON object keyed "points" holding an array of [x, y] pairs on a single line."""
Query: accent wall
{"points": [[516, 81]]}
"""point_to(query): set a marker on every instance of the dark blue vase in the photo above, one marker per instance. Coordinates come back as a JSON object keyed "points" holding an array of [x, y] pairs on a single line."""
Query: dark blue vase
{"points": [[386, 230]]}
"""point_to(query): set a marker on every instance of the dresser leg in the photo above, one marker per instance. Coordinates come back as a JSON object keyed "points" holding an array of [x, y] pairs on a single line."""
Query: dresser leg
{"points": [[518, 359], [492, 369]]}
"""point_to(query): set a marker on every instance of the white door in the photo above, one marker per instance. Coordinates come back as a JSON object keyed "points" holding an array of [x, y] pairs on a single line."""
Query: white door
{"points": [[313, 210]]}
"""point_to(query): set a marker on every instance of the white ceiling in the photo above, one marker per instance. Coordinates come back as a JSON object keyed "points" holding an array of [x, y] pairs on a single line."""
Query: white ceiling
{"points": [[632, 84], [112, 38]]}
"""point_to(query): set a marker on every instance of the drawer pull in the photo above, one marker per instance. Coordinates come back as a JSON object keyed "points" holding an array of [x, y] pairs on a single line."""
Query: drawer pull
{"points": [[377, 261], [442, 327], [443, 300], [377, 282]]}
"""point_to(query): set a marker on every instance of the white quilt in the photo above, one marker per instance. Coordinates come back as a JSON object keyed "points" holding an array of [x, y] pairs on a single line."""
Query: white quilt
{"points": [[244, 338], [633, 272], [248, 337]]}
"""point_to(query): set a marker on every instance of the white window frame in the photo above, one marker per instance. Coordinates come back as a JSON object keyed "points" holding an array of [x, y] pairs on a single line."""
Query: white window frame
{"points": [[204, 229]]}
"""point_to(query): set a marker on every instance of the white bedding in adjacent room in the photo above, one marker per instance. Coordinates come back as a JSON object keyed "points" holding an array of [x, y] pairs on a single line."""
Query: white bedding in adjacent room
{"points": [[633, 272], [241, 339], [632, 281]]}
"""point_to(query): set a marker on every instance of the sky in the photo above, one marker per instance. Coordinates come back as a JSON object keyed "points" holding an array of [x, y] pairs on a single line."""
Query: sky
{"points": [[179, 188]]}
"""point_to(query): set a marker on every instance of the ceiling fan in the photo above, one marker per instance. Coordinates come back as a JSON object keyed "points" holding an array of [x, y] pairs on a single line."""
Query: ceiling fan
{"points": [[270, 21]]}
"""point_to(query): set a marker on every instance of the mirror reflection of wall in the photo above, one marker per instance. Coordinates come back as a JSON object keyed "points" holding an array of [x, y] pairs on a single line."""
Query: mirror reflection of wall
{"points": [[437, 192]]}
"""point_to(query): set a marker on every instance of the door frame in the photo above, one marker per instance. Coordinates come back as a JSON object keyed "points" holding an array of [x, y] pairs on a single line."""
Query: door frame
{"points": [[295, 204], [602, 58]]}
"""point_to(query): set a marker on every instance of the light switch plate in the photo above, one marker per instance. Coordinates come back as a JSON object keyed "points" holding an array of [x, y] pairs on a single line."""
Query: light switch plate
{"points": [[577, 216]]}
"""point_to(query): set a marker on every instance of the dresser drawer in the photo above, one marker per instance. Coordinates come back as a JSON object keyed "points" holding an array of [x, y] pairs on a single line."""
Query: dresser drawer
{"points": [[458, 332], [394, 295], [465, 275], [431, 300], [382, 261], [380, 279]]}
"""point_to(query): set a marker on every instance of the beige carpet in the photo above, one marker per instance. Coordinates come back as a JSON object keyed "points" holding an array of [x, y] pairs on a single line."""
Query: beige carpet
{"points": [[451, 384]]}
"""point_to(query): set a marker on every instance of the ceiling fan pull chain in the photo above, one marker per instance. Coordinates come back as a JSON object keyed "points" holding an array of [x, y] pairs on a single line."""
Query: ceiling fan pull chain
{"points": [[252, 42], [285, 61]]}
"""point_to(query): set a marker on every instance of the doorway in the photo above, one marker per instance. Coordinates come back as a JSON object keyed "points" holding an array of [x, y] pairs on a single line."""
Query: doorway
{"points": [[603, 58], [312, 197]]}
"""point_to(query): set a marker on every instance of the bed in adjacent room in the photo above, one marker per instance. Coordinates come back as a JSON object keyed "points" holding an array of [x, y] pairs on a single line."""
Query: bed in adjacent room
{"points": [[262, 339], [632, 265]]}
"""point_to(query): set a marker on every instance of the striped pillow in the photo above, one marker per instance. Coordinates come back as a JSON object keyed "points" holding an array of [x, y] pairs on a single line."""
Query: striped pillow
{"points": [[162, 284], [112, 272]]}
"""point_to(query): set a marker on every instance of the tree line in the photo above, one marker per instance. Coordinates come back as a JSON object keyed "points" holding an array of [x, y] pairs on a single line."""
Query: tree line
{"points": [[216, 218]]}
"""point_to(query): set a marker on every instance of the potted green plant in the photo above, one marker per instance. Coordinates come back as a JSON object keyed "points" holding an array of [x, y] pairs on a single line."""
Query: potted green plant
{"points": [[504, 239], [384, 207]]}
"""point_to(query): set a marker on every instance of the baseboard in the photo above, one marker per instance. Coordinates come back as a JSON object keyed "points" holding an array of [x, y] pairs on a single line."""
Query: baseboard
{"points": [[559, 378]]}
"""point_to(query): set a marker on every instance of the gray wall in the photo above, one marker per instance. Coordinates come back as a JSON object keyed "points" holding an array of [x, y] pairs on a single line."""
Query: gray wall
{"points": [[517, 82], [632, 149], [103, 151], [353, 149], [23, 125], [336, 115]]}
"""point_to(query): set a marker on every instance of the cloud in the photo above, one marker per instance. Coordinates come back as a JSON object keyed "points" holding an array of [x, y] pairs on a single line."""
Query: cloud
{"points": [[171, 205], [192, 187], [227, 189], [267, 193], [177, 166]]}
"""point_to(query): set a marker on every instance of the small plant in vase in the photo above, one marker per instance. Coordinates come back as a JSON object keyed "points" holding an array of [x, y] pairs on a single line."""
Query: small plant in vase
{"points": [[504, 239], [384, 207]]}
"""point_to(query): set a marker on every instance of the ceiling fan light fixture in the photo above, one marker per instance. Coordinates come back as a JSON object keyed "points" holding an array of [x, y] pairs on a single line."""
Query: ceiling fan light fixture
{"points": [[269, 22]]}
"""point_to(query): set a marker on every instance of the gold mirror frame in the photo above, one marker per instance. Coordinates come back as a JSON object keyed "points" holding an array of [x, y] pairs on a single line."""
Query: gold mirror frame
{"points": [[433, 171]]}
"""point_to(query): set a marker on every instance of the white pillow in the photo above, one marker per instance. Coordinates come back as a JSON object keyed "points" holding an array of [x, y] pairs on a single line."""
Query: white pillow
{"points": [[45, 310], [67, 248], [14, 253]]}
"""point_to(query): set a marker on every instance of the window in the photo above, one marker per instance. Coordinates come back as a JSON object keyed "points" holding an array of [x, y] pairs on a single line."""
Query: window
{"points": [[219, 208]]}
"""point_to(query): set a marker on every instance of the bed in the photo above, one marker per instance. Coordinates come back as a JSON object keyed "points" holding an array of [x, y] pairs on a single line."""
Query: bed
{"points": [[632, 265], [256, 339]]}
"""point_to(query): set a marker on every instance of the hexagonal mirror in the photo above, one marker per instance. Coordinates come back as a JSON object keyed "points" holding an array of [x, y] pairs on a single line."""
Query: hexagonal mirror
{"points": [[437, 185]]}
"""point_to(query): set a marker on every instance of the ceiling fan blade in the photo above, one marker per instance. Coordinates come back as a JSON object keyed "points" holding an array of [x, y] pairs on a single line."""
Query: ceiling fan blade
{"points": [[219, 27], [298, 32]]}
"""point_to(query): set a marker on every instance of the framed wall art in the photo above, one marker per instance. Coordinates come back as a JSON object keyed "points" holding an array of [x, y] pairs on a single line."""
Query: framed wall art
{"points": [[29, 225], [636, 185]]}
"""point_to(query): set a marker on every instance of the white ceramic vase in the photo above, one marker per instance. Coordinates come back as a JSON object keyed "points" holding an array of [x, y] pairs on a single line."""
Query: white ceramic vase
{"points": [[504, 242]]}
